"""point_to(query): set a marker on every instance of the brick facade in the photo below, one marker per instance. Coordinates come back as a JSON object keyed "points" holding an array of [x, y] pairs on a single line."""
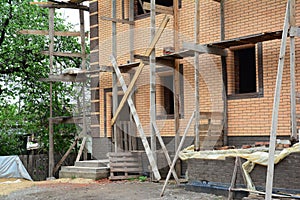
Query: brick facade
{"points": [[246, 116]]}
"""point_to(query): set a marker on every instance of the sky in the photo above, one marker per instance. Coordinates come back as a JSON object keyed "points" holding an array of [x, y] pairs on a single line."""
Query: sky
{"points": [[72, 16]]}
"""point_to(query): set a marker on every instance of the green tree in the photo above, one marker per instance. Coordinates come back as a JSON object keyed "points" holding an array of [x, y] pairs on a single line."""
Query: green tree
{"points": [[21, 67]]}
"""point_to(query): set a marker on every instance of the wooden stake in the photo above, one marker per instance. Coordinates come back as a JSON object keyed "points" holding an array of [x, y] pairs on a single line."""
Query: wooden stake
{"points": [[137, 121], [270, 171], [177, 153]]}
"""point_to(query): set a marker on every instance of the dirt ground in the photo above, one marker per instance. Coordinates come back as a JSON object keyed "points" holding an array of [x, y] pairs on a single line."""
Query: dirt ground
{"points": [[89, 189]]}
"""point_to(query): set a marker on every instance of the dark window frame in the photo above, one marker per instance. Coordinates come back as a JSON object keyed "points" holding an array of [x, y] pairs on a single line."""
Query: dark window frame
{"points": [[260, 89], [181, 101], [138, 15]]}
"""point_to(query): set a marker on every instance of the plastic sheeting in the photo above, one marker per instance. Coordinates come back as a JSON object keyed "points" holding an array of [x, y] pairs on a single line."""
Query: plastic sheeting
{"points": [[253, 156], [12, 167]]}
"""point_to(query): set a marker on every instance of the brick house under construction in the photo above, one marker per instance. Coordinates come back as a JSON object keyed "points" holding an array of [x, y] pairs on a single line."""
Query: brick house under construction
{"points": [[237, 74]]}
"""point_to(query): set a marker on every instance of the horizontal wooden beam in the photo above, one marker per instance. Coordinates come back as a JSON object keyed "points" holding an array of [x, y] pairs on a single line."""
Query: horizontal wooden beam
{"points": [[56, 33], [204, 49], [60, 5], [64, 78], [159, 8], [62, 54], [66, 120], [123, 21]]}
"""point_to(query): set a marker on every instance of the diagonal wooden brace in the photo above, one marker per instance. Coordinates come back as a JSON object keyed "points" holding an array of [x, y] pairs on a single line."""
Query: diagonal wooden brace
{"points": [[163, 146], [137, 122], [140, 68]]}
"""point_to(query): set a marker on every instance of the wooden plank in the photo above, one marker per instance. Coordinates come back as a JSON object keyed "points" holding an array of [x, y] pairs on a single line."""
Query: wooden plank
{"points": [[114, 76], [292, 74], [66, 120], [65, 155], [233, 179], [204, 49], [140, 68], [164, 148], [51, 50], [66, 5], [177, 153], [124, 163], [152, 81], [64, 78], [123, 21], [270, 170], [159, 8], [81, 149], [196, 75], [176, 80], [138, 122], [124, 169], [62, 54], [123, 177], [56, 33]]}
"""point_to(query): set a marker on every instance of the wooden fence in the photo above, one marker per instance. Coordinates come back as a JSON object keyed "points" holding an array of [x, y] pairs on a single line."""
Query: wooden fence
{"points": [[37, 165]]}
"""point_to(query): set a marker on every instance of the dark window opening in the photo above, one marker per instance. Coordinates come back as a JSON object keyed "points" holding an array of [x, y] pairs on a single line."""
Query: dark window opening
{"points": [[248, 73], [167, 94], [139, 5], [245, 71]]}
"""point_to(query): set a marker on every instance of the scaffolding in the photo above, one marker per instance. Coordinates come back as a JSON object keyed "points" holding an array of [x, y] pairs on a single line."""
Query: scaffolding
{"points": [[78, 75], [190, 50]]}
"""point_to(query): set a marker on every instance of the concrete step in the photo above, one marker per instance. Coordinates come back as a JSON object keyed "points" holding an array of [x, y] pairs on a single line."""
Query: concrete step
{"points": [[92, 163], [94, 173]]}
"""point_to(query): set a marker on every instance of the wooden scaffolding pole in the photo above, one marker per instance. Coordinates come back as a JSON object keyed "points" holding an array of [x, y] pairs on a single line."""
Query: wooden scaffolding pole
{"points": [[137, 121], [51, 50], [176, 80], [270, 171], [152, 81], [114, 76], [196, 63], [292, 21], [131, 49], [224, 74]]}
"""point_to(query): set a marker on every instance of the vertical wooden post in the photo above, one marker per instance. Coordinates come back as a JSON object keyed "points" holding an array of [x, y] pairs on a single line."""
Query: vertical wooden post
{"points": [[131, 49], [224, 72], [196, 63], [292, 73], [131, 27], [270, 171], [114, 76], [83, 66], [51, 49], [176, 80], [152, 81]]}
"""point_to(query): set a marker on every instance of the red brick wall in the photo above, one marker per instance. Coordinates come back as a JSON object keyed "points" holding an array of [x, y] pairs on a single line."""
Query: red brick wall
{"points": [[251, 116]]}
